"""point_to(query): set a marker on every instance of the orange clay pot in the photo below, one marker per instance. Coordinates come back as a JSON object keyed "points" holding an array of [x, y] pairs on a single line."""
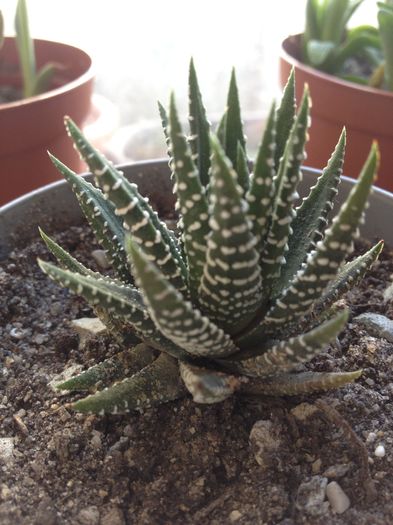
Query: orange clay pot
{"points": [[30, 127], [367, 114]]}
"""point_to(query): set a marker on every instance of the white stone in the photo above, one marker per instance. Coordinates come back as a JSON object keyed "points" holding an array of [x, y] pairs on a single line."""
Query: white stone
{"points": [[376, 325], [388, 293], [266, 441], [338, 500], [87, 328], [234, 516], [303, 411], [6, 449], [101, 259], [379, 451]]}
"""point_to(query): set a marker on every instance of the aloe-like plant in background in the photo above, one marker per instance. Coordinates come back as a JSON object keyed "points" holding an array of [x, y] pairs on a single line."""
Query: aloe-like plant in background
{"points": [[328, 45], [244, 293], [34, 82]]}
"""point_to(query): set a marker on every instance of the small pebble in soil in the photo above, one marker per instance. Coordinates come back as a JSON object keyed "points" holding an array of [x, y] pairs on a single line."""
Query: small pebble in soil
{"points": [[376, 325], [101, 259], [388, 293], [379, 451], [337, 471], [338, 500], [265, 442], [311, 496], [113, 516], [87, 328], [7, 449], [316, 466], [89, 516], [372, 436], [17, 333], [234, 516], [303, 411], [20, 425]]}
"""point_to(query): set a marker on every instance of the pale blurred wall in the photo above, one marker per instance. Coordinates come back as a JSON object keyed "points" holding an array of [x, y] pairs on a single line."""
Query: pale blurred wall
{"points": [[141, 49]]}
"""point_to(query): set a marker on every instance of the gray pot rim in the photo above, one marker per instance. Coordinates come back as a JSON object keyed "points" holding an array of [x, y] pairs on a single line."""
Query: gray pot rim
{"points": [[54, 206]]}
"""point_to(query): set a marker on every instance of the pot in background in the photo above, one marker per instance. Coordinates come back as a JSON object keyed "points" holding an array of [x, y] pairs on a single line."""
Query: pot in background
{"points": [[367, 114], [30, 127]]}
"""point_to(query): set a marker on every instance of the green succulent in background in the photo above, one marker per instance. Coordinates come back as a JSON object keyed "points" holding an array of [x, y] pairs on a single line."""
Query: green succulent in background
{"points": [[34, 81], [363, 54], [245, 291]]}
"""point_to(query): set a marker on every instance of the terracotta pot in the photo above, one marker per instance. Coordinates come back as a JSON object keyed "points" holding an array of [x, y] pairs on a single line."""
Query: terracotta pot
{"points": [[30, 127], [55, 207], [367, 114]]}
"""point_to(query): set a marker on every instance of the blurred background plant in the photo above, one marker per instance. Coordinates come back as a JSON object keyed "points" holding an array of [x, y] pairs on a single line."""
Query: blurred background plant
{"points": [[35, 81], [363, 54]]}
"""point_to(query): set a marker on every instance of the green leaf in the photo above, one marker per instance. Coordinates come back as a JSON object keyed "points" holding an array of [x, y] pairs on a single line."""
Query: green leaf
{"points": [[364, 29], [191, 201], [311, 217], [157, 383], [208, 386], [319, 52], [125, 363], [25, 47], [352, 7], [285, 118], [302, 383], [352, 48], [165, 124], [100, 213], [123, 332], [260, 195], [311, 30], [322, 265], [285, 183], [230, 292], [164, 118], [348, 277], [385, 21], [334, 20], [65, 259], [1, 30], [243, 173], [120, 300], [175, 317], [44, 78], [199, 126], [220, 131], [233, 122], [138, 216], [287, 354]]}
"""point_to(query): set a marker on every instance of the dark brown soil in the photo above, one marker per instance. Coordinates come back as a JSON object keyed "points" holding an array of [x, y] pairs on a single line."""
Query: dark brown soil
{"points": [[9, 94], [180, 463]]}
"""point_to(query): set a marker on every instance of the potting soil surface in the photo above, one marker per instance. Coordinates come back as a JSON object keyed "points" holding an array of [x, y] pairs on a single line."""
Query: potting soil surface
{"points": [[184, 463]]}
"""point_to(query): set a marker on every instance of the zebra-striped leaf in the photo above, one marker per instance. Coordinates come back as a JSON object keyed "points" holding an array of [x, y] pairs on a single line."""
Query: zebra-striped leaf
{"points": [[175, 317], [157, 383], [230, 291], [138, 216]]}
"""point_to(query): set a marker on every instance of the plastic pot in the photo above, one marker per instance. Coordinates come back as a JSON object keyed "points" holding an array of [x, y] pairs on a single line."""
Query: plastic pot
{"points": [[367, 114], [30, 127], [55, 208]]}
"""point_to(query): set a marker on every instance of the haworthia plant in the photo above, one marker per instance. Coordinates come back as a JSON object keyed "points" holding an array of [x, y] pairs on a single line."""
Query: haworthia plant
{"points": [[245, 291]]}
